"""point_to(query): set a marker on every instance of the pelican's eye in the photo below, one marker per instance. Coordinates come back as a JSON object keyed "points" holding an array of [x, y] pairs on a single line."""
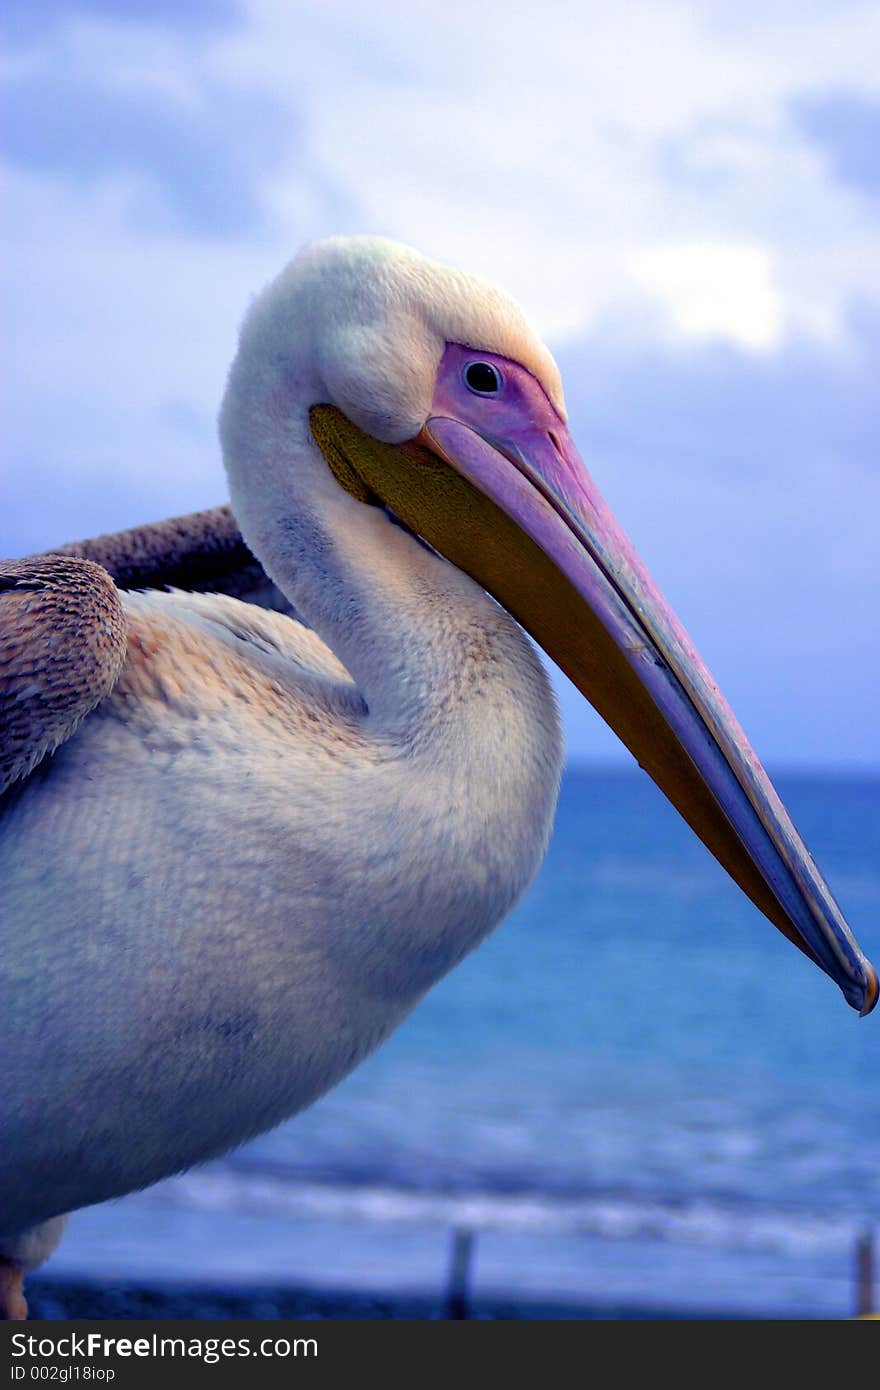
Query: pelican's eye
{"points": [[482, 378]]}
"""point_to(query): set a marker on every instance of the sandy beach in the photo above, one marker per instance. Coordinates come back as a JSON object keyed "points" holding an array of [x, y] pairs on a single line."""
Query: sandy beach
{"points": [[56, 1299]]}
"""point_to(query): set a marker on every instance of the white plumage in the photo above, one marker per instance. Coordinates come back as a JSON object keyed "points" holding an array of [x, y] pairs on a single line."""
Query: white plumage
{"points": [[257, 854]]}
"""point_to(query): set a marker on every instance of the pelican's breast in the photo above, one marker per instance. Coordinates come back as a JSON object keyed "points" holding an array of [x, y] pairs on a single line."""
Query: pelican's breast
{"points": [[241, 888]]}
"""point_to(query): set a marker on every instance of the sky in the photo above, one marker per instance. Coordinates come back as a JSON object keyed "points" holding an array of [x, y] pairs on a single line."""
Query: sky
{"points": [[684, 196]]}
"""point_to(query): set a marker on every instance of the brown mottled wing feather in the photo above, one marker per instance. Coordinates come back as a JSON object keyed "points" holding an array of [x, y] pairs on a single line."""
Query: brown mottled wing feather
{"points": [[202, 552], [62, 625], [62, 646]]}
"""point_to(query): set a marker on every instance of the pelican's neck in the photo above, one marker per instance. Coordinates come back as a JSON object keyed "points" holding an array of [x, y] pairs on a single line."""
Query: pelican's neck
{"points": [[452, 688], [416, 635], [420, 640]]}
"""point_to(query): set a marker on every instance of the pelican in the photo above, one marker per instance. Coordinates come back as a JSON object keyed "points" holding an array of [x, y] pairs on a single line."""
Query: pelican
{"points": [[236, 849]]}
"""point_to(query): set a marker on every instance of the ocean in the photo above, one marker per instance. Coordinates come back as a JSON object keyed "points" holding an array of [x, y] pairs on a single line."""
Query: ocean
{"points": [[636, 1091]]}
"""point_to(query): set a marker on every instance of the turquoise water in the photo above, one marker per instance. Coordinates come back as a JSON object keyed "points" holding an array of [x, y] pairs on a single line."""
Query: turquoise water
{"points": [[636, 1089]]}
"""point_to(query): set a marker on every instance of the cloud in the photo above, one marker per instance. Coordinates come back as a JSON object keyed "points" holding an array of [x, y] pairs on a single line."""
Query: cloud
{"points": [[133, 105], [579, 160], [540, 153], [715, 291]]}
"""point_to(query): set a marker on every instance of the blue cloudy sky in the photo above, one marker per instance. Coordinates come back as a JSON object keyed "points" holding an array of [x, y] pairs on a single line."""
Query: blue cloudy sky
{"points": [[686, 196]]}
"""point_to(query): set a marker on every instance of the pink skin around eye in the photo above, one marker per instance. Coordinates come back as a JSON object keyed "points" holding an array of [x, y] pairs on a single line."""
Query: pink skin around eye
{"points": [[521, 401]]}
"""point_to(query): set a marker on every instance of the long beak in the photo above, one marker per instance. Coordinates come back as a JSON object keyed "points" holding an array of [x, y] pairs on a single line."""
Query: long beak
{"points": [[523, 517], [628, 654]]}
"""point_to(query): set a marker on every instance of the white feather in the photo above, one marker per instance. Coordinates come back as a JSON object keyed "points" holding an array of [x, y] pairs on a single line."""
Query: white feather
{"points": [[253, 859]]}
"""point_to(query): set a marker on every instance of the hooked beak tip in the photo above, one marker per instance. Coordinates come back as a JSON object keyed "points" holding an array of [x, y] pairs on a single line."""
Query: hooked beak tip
{"points": [[872, 989]]}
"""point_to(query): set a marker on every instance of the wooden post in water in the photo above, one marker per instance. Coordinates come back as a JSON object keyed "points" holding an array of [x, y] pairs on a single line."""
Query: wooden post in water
{"points": [[865, 1275], [459, 1273]]}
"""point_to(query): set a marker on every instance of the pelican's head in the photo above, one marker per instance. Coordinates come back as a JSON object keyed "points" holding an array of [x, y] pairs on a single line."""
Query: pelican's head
{"points": [[432, 395]]}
